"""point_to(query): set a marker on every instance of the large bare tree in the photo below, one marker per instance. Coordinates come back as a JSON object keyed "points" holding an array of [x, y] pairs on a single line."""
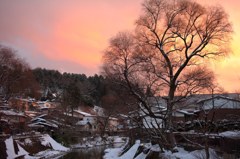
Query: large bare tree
{"points": [[168, 52], [16, 77]]}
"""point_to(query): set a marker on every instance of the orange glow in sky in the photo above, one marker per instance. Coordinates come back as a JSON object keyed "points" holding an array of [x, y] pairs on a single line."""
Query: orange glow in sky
{"points": [[70, 35]]}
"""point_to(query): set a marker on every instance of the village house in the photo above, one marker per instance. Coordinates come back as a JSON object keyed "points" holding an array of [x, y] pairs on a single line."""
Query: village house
{"points": [[113, 124], [12, 116], [16, 120], [123, 122], [43, 123], [141, 117], [88, 123], [194, 107], [22, 104], [94, 120], [215, 107]]}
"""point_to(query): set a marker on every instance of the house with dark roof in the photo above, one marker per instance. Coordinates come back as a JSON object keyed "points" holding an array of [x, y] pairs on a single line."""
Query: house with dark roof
{"points": [[43, 122], [214, 107], [197, 106], [15, 120]]}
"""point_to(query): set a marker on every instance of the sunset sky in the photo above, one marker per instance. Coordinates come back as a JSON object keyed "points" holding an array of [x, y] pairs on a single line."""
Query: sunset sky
{"points": [[70, 35]]}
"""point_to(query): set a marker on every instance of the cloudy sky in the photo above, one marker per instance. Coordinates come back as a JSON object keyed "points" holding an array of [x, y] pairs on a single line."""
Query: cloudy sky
{"points": [[70, 35]]}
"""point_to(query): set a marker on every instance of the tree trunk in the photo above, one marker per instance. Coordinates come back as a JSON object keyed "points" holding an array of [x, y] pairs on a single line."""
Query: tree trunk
{"points": [[169, 127], [207, 148]]}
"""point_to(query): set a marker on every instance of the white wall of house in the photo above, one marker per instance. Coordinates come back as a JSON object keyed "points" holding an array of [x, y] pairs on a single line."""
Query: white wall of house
{"points": [[84, 123]]}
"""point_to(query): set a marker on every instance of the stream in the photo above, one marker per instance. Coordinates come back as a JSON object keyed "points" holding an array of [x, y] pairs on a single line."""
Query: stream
{"points": [[96, 152]]}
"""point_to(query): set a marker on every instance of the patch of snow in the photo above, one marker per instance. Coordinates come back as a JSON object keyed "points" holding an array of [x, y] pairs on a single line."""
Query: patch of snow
{"points": [[46, 140], [183, 154], [27, 141], [10, 149], [40, 123], [230, 134], [40, 116], [38, 119], [35, 125], [113, 153], [202, 154], [118, 139], [82, 122], [83, 113], [155, 148], [12, 113], [132, 151]]}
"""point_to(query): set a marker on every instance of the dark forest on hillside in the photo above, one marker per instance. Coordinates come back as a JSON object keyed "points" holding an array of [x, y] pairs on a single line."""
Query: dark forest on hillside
{"points": [[53, 84]]}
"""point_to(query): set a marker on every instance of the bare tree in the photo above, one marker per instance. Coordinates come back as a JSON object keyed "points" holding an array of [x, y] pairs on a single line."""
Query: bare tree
{"points": [[16, 77], [115, 97], [168, 51], [182, 32]]}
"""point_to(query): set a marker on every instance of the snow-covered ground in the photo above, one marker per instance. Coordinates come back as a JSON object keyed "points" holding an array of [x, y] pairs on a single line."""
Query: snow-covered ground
{"points": [[114, 153], [183, 154]]}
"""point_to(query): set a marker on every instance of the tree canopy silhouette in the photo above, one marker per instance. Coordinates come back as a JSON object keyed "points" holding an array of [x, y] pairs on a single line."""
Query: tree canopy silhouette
{"points": [[167, 53]]}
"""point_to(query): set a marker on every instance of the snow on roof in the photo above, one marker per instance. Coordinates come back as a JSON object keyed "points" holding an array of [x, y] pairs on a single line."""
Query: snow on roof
{"points": [[56, 122], [230, 134], [10, 150], [4, 120], [38, 119], [35, 125], [42, 115], [82, 122], [123, 115], [31, 112], [47, 140], [11, 113], [187, 111], [217, 96], [112, 118], [43, 123], [83, 113]]}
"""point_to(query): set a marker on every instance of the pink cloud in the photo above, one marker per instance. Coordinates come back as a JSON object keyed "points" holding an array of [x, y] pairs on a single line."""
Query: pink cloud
{"points": [[70, 35]]}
